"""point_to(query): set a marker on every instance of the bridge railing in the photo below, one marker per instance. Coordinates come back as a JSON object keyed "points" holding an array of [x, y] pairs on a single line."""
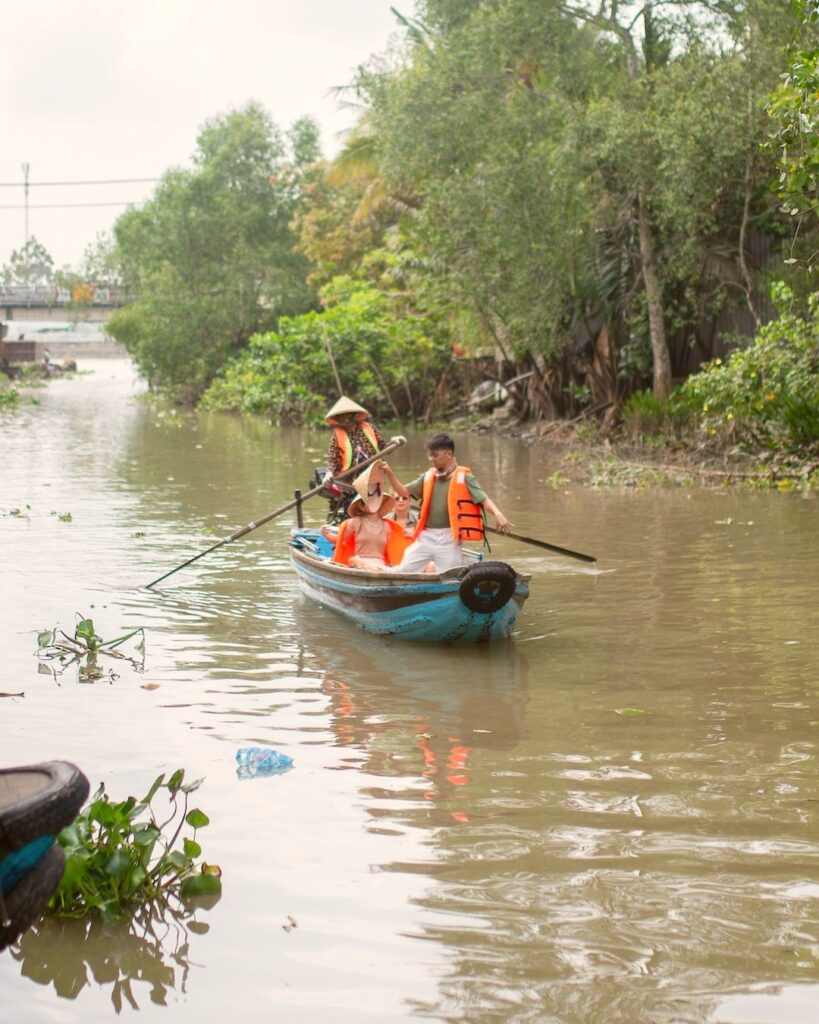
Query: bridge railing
{"points": [[20, 295]]}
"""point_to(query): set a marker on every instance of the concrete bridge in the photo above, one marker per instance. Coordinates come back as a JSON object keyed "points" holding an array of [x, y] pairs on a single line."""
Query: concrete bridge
{"points": [[43, 304], [42, 324], [52, 341]]}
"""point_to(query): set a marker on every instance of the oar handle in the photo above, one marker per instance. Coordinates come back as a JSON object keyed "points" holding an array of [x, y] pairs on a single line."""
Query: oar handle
{"points": [[543, 544], [283, 508]]}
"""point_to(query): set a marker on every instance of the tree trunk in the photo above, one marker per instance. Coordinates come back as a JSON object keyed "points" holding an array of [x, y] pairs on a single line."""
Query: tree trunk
{"points": [[656, 319]]}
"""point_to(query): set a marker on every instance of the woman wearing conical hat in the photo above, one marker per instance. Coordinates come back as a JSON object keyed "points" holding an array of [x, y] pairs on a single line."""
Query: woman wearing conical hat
{"points": [[366, 540], [353, 439]]}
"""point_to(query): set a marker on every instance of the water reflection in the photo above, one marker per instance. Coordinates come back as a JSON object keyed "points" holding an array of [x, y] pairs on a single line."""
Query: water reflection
{"points": [[423, 716], [569, 849], [149, 956]]}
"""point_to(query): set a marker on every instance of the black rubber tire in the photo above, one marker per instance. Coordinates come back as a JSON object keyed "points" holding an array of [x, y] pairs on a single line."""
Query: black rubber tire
{"points": [[28, 899], [46, 809], [488, 586]]}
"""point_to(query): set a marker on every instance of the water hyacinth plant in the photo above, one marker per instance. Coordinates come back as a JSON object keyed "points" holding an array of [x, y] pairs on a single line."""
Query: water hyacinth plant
{"points": [[84, 647], [120, 860]]}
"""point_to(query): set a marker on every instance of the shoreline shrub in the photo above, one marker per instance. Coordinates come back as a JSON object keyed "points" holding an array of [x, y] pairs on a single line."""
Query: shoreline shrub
{"points": [[766, 395]]}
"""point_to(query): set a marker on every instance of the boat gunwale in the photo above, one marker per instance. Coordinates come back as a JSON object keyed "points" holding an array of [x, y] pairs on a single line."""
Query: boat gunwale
{"points": [[390, 580]]}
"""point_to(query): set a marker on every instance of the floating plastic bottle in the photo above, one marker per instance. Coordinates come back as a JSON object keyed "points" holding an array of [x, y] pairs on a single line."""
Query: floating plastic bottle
{"points": [[259, 761]]}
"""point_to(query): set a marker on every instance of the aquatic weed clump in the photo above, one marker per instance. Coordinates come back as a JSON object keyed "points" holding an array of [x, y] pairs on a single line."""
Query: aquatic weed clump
{"points": [[119, 859], [84, 647]]}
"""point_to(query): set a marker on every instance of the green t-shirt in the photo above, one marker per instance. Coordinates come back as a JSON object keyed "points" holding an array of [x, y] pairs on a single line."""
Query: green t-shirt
{"points": [[438, 518]]}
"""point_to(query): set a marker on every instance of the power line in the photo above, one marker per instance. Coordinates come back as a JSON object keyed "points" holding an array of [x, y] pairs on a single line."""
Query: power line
{"points": [[105, 181], [66, 206]]}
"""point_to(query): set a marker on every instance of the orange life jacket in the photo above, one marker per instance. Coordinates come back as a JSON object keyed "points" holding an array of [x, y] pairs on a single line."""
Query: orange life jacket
{"points": [[394, 549], [345, 445], [466, 518]]}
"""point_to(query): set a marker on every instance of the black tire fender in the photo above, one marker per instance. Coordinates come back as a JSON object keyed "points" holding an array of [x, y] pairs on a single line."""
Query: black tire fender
{"points": [[487, 586]]}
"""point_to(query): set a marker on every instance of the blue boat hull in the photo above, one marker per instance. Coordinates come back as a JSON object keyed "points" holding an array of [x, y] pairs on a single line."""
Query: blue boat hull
{"points": [[413, 606]]}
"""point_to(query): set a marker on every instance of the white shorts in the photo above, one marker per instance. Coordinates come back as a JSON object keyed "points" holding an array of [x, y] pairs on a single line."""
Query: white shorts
{"points": [[438, 546]]}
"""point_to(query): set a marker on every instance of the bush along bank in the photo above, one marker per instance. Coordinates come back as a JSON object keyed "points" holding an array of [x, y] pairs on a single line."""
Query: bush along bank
{"points": [[751, 419]]}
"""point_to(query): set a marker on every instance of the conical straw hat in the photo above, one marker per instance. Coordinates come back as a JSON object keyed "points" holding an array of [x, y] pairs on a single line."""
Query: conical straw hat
{"points": [[371, 496], [346, 405]]}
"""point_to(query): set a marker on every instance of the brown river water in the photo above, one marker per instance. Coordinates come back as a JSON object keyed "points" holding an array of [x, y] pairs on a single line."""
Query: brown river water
{"points": [[483, 834]]}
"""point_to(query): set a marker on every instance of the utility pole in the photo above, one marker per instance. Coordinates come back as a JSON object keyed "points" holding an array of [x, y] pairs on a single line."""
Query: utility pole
{"points": [[25, 195]]}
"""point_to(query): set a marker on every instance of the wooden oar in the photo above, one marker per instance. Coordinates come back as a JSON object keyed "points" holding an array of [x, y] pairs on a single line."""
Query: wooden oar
{"points": [[542, 544], [283, 508]]}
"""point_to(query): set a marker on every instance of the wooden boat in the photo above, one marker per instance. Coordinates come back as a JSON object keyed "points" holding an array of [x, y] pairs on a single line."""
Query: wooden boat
{"points": [[474, 603]]}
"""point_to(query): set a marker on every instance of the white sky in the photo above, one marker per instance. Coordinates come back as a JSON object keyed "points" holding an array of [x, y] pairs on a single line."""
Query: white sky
{"points": [[102, 89]]}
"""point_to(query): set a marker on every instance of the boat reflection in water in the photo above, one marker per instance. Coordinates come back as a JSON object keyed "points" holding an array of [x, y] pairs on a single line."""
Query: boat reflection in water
{"points": [[427, 715]]}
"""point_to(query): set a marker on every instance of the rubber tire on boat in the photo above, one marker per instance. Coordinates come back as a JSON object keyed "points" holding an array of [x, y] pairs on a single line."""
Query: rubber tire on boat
{"points": [[38, 799], [487, 586], [28, 899]]}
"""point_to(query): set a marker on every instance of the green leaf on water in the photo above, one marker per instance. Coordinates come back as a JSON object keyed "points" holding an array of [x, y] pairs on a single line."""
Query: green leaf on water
{"points": [[197, 818], [146, 836], [201, 885], [179, 860], [118, 864], [45, 638], [117, 861], [631, 712], [84, 632], [154, 787], [192, 848], [121, 639]]}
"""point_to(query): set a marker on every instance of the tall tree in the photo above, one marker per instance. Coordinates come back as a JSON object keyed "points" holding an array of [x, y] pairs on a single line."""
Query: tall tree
{"points": [[30, 266], [574, 159], [210, 258], [794, 110]]}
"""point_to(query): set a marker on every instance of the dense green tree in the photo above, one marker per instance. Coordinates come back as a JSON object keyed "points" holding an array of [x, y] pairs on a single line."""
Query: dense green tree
{"points": [[794, 110], [392, 363], [210, 258], [333, 233], [578, 165], [100, 263]]}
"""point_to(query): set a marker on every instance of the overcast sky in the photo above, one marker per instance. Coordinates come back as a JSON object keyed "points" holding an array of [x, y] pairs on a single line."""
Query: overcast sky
{"points": [[108, 89]]}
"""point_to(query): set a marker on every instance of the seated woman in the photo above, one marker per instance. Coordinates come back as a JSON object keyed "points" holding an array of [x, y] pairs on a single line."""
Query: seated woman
{"points": [[366, 540], [404, 515]]}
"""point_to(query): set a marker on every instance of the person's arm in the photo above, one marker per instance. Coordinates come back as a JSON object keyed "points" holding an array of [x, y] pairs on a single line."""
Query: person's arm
{"points": [[501, 522], [480, 497], [397, 486]]}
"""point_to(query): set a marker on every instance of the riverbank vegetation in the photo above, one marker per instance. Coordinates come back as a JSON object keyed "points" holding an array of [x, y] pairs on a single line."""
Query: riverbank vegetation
{"points": [[9, 395], [611, 212]]}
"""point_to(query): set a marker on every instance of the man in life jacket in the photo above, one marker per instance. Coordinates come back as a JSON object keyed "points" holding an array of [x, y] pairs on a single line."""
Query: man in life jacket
{"points": [[453, 506]]}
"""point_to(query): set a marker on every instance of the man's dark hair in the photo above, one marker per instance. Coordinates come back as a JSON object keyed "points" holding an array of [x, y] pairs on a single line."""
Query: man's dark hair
{"points": [[441, 443]]}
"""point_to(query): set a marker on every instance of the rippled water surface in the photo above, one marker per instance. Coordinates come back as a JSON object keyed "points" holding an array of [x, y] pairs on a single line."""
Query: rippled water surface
{"points": [[612, 818]]}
